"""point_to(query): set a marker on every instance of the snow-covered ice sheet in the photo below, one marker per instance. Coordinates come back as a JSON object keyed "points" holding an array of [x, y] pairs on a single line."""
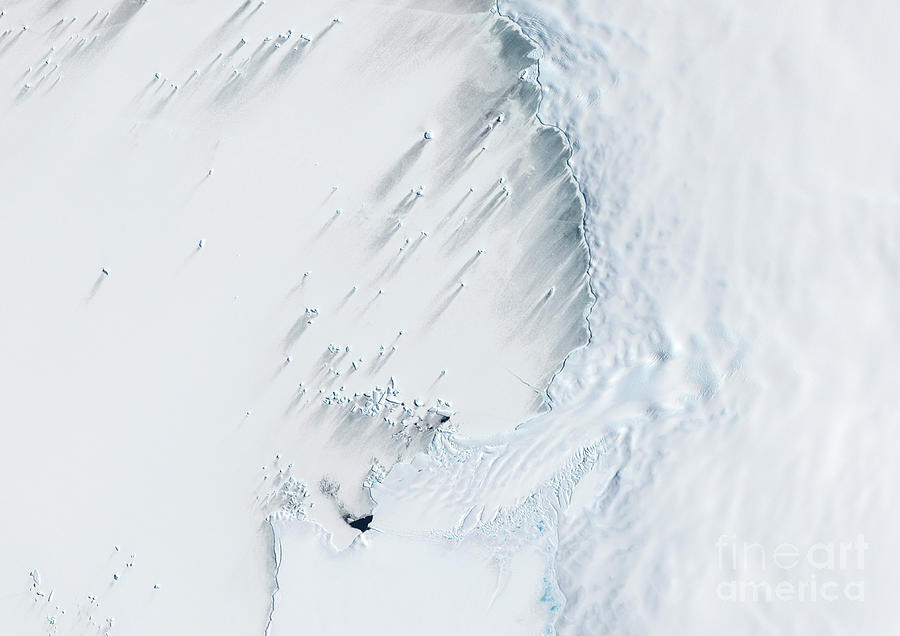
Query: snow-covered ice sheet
{"points": [[208, 272], [254, 255], [740, 167]]}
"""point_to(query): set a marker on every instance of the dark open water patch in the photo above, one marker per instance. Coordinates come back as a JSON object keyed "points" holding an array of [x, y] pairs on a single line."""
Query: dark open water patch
{"points": [[361, 524]]}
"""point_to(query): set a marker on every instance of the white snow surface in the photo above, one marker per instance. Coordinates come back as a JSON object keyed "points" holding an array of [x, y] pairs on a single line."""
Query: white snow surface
{"points": [[738, 165], [238, 276]]}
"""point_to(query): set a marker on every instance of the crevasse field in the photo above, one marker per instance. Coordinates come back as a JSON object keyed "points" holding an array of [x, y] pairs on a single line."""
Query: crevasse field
{"points": [[449, 317]]}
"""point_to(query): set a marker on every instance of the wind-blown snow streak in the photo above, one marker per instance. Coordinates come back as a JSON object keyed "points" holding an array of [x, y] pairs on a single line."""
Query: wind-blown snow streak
{"points": [[234, 303], [513, 536], [245, 278]]}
